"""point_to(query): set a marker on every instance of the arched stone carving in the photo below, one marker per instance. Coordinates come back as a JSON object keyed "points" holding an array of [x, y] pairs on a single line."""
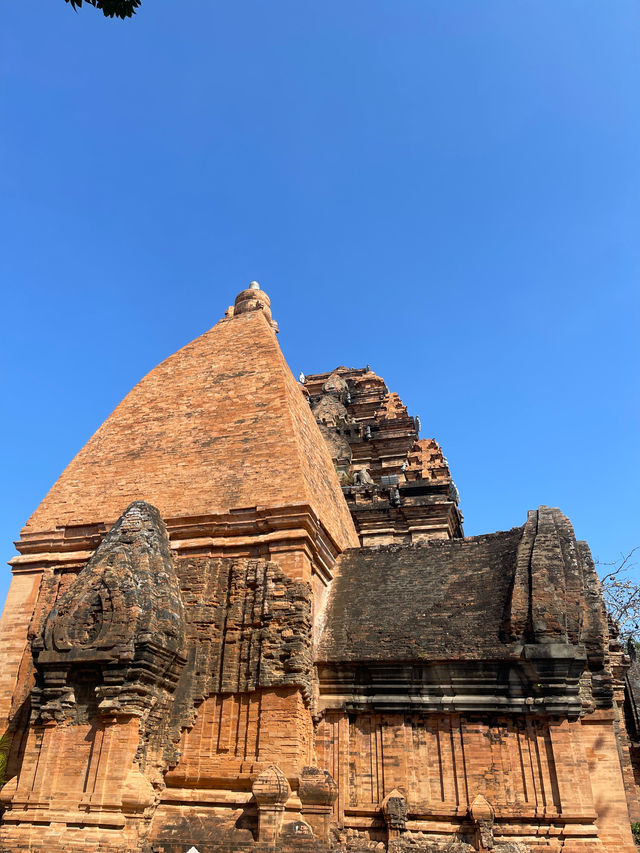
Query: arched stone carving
{"points": [[116, 636]]}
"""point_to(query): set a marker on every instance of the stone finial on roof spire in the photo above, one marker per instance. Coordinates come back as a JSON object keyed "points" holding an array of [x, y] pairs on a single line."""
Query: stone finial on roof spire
{"points": [[254, 299]]}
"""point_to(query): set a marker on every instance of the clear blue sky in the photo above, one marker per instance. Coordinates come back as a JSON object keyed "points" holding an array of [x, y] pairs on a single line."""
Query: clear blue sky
{"points": [[447, 191]]}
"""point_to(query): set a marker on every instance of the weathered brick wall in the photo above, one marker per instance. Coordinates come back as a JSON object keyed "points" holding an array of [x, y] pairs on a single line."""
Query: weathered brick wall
{"points": [[545, 778], [623, 722], [444, 599], [244, 701], [248, 626], [201, 667], [512, 620], [248, 630], [17, 613]]}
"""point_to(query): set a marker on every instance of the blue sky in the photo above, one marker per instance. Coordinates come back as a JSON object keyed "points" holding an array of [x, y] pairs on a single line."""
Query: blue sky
{"points": [[449, 192]]}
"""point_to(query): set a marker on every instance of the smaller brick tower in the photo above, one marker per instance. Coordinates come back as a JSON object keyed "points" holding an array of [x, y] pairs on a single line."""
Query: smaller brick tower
{"points": [[397, 485]]}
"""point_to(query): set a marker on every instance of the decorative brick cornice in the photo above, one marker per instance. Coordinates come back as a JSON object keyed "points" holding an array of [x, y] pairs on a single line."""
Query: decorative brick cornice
{"points": [[236, 533]]}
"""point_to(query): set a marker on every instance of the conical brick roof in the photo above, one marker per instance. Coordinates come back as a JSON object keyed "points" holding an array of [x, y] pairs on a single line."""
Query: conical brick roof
{"points": [[220, 425]]}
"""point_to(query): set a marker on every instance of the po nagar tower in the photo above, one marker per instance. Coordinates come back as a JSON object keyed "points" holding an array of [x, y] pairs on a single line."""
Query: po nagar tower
{"points": [[246, 618]]}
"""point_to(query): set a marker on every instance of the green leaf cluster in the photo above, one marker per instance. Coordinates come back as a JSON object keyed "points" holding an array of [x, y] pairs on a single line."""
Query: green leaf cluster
{"points": [[111, 8]]}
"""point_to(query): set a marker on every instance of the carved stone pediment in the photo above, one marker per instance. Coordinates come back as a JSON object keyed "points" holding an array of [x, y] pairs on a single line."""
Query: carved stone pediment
{"points": [[117, 635], [94, 616]]}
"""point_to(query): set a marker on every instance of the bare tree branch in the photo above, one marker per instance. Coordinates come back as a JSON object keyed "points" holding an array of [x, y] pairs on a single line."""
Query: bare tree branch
{"points": [[622, 593]]}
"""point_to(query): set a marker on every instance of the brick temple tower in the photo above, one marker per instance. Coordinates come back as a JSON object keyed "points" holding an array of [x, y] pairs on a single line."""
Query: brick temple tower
{"points": [[246, 618]]}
